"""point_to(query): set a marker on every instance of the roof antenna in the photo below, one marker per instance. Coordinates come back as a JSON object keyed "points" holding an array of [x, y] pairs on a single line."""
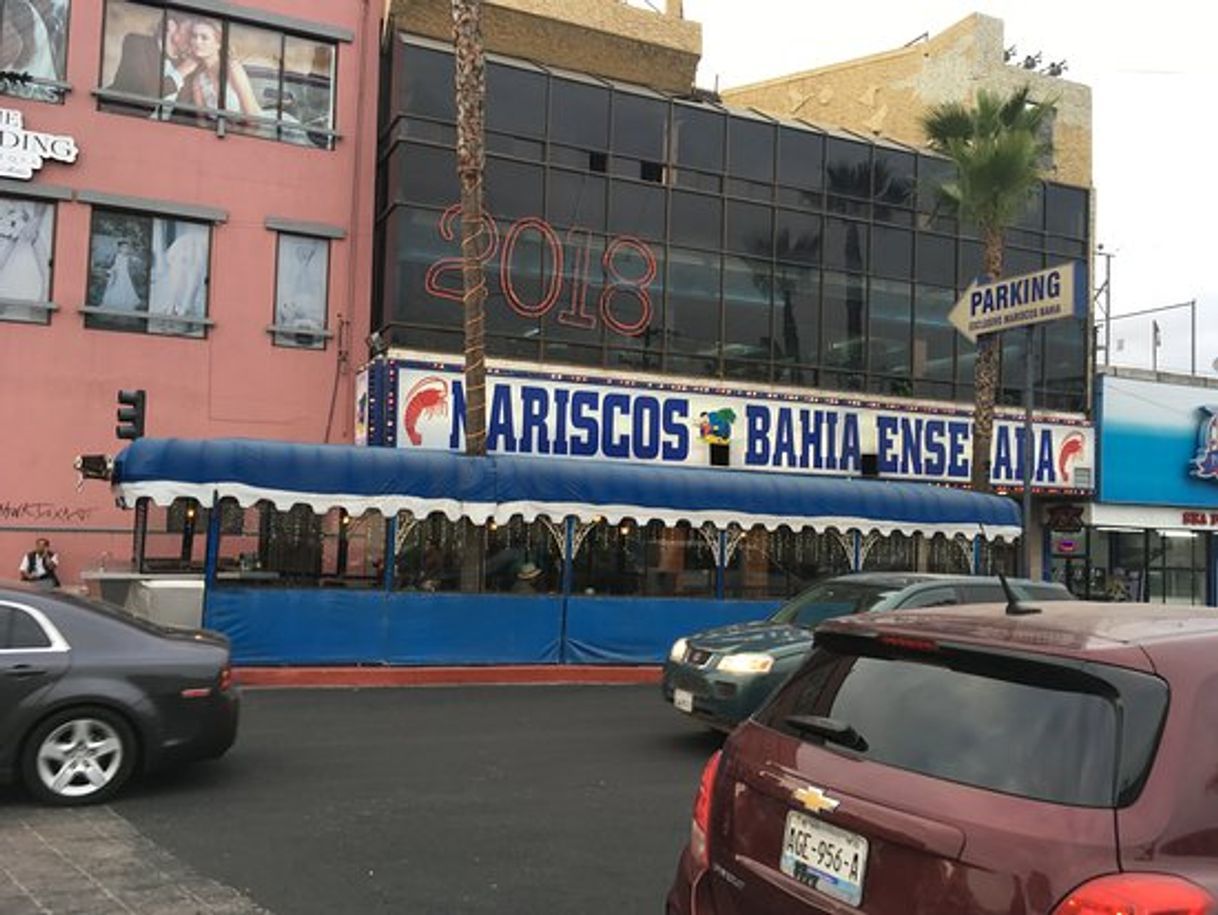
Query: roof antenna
{"points": [[1014, 607]]}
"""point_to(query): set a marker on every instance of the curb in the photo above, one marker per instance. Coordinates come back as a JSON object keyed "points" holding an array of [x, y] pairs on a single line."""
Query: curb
{"points": [[305, 677]]}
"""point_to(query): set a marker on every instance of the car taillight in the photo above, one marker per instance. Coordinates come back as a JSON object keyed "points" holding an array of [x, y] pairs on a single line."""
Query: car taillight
{"points": [[699, 827], [226, 677], [906, 643], [1137, 894]]}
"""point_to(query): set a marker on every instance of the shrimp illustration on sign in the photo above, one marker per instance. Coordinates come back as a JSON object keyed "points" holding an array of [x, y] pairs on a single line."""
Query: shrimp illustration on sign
{"points": [[1070, 450], [427, 398]]}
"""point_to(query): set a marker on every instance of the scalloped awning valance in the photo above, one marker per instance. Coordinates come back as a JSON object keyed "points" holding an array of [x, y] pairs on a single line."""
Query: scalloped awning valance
{"points": [[360, 479]]}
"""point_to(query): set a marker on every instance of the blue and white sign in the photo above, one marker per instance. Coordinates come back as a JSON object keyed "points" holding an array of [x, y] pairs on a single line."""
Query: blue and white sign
{"points": [[1019, 301], [620, 419], [1159, 443]]}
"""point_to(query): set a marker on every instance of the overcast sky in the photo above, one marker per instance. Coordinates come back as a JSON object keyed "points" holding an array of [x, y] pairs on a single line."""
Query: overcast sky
{"points": [[1153, 78]]}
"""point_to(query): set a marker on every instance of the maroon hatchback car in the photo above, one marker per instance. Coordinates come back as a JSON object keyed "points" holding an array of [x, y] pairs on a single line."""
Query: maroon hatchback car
{"points": [[983, 760]]}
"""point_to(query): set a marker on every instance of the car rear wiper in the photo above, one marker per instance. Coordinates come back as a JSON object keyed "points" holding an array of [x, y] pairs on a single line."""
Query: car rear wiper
{"points": [[830, 729]]}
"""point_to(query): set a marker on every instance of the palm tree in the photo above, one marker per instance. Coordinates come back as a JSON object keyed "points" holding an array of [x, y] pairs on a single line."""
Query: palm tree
{"points": [[471, 162], [470, 87], [998, 148]]}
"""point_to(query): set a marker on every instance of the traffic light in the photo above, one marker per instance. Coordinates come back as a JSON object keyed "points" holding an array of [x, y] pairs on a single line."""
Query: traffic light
{"points": [[130, 414]]}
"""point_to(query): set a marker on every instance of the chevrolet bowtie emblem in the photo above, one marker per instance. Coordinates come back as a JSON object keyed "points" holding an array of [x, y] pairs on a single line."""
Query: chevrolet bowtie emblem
{"points": [[815, 800]]}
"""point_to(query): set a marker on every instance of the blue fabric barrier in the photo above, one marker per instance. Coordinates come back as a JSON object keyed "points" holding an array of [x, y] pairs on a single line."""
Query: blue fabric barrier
{"points": [[640, 630], [290, 626], [472, 629]]}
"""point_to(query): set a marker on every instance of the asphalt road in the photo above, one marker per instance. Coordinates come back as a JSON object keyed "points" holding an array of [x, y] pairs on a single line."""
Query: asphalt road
{"points": [[532, 799]]}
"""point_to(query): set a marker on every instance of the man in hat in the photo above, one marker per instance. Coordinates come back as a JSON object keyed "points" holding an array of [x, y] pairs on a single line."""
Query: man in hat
{"points": [[528, 579]]}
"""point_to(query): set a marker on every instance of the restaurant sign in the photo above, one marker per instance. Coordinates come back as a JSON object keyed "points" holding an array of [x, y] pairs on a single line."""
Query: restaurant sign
{"points": [[609, 418], [22, 151]]}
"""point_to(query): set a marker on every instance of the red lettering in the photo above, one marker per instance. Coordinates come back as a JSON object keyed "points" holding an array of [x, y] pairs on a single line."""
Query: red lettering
{"points": [[577, 315], [514, 301], [431, 282], [632, 287]]}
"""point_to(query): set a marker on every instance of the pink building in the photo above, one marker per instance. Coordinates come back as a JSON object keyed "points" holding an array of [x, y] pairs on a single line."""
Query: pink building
{"points": [[186, 200]]}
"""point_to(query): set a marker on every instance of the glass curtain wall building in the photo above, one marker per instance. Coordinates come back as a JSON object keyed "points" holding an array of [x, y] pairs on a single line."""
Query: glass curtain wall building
{"points": [[633, 231]]}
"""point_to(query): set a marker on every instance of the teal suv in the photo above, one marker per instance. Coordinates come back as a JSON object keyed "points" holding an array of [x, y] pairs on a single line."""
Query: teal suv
{"points": [[721, 675]]}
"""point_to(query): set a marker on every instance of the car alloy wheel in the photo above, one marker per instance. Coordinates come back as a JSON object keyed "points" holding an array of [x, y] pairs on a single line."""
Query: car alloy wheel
{"points": [[79, 757]]}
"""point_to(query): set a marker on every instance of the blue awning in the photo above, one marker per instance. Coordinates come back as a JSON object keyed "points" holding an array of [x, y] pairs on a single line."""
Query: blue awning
{"points": [[499, 487]]}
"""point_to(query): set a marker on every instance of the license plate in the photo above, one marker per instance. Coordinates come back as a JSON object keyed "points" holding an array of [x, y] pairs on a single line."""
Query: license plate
{"points": [[683, 699], [830, 860]]}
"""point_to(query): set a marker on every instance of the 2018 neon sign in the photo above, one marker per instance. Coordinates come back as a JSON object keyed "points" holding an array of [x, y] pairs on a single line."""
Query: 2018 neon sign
{"points": [[579, 243]]}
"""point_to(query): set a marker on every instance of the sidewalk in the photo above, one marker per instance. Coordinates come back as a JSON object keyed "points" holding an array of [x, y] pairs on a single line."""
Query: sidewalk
{"points": [[503, 675]]}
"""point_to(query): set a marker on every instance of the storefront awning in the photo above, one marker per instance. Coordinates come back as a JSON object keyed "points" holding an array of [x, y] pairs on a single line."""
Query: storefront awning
{"points": [[359, 479]]}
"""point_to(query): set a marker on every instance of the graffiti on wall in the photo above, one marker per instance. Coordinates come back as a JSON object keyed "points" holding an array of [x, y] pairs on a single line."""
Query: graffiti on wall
{"points": [[42, 511]]}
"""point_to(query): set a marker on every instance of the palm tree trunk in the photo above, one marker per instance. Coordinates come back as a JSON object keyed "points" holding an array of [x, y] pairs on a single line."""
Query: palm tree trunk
{"points": [[471, 160], [985, 377]]}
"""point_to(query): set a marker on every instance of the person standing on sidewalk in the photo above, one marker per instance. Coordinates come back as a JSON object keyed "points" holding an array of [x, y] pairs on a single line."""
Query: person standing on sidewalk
{"points": [[40, 564]]}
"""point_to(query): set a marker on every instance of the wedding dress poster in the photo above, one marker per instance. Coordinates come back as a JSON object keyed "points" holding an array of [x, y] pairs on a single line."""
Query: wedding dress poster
{"points": [[300, 296], [26, 232]]}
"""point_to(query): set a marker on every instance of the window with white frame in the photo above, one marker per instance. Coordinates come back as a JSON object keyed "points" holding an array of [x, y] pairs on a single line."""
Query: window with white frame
{"points": [[301, 291], [193, 68], [33, 48], [27, 229], [147, 273]]}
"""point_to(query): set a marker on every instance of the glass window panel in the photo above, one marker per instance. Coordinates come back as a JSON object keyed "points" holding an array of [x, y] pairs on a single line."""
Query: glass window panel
{"points": [[801, 156], [424, 174], [639, 126], [848, 168], [1066, 210], [413, 246], [252, 82], [698, 136], [1017, 261], [932, 173], [697, 219], [699, 181], [515, 100], [893, 180], [750, 146], [1032, 216], [691, 315], [934, 335], [891, 252], [889, 310], [749, 228], [1066, 247], [576, 199], [1066, 355], [797, 237], [747, 289], [796, 318], [132, 61], [301, 289], [427, 79], [636, 209], [34, 43], [845, 244], [120, 261], [309, 73], [579, 114], [653, 560], [971, 264], [27, 229], [513, 189], [180, 253], [844, 320], [754, 190]]}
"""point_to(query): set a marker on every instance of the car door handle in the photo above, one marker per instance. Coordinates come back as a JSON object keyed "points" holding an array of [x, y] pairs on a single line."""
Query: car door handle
{"points": [[24, 671]]}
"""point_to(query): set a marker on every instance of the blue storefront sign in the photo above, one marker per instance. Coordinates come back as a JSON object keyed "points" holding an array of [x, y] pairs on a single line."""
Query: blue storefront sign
{"points": [[422, 405], [1158, 444]]}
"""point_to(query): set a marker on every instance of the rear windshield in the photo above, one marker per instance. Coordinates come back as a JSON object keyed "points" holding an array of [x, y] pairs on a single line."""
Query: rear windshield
{"points": [[1028, 729], [832, 598]]}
